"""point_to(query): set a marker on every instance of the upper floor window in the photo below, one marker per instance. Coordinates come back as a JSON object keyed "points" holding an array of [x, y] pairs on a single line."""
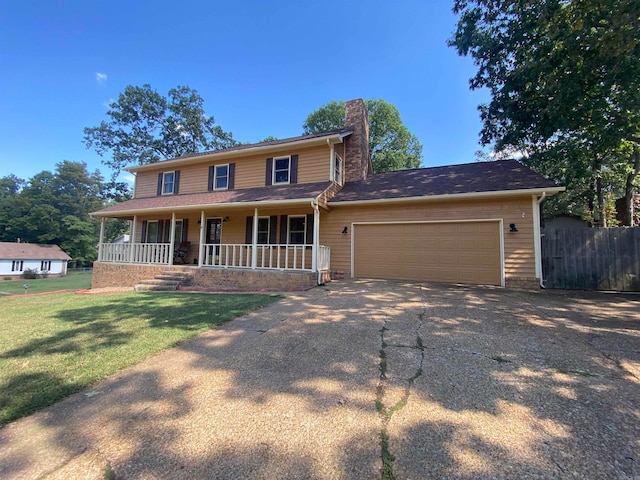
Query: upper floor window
{"points": [[281, 170], [337, 170], [297, 229], [168, 183], [221, 177]]}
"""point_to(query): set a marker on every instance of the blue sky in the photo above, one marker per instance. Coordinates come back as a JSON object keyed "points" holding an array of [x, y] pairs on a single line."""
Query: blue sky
{"points": [[261, 67]]}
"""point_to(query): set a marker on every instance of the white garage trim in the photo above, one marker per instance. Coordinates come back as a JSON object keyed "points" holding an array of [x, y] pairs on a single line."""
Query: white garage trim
{"points": [[499, 221]]}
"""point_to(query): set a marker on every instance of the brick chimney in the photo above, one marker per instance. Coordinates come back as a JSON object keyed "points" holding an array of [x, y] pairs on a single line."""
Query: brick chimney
{"points": [[357, 161]]}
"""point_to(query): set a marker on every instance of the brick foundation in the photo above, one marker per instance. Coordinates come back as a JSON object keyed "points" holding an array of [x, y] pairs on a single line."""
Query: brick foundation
{"points": [[127, 275]]}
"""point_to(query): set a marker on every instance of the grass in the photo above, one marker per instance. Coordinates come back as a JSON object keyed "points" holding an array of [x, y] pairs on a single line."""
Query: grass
{"points": [[54, 345], [72, 281]]}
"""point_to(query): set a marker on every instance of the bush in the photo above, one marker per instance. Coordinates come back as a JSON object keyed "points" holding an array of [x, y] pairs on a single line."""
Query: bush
{"points": [[30, 274]]}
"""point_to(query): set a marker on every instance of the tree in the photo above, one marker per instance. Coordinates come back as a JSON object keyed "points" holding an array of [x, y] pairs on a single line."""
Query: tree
{"points": [[53, 208], [563, 77], [145, 127], [391, 145]]}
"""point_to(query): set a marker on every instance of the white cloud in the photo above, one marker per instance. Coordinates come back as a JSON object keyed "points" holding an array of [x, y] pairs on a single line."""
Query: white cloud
{"points": [[101, 78], [107, 104], [129, 178]]}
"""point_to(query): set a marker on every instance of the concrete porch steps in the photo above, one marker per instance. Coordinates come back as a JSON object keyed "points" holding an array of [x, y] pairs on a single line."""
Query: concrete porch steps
{"points": [[165, 282]]}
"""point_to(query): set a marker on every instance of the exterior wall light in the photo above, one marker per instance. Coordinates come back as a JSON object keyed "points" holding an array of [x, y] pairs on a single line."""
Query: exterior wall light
{"points": [[512, 227], [345, 230]]}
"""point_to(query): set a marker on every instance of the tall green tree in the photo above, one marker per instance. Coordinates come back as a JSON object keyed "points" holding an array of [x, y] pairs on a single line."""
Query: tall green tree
{"points": [[391, 145], [145, 127], [53, 208], [564, 78]]}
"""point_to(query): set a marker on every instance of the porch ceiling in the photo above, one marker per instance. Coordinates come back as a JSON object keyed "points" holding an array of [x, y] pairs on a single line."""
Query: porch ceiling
{"points": [[298, 194]]}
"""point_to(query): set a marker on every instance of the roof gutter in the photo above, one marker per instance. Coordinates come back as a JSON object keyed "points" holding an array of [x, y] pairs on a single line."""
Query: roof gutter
{"points": [[538, 238], [236, 205], [450, 196], [224, 154]]}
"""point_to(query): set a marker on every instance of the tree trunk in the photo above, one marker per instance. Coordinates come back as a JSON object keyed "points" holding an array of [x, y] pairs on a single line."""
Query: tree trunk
{"points": [[629, 188]]}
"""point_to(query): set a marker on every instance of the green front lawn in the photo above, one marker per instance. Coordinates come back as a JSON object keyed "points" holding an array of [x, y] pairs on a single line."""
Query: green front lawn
{"points": [[54, 345], [72, 281]]}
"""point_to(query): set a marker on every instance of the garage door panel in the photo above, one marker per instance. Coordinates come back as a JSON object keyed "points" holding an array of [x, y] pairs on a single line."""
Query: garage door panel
{"points": [[465, 252]]}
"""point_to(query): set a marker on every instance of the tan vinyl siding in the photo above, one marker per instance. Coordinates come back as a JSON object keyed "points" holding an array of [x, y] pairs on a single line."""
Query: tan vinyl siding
{"points": [[519, 257], [147, 184], [314, 165]]}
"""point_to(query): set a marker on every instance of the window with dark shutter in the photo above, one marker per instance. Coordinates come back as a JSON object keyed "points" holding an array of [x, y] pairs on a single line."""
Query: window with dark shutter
{"points": [[269, 173], [176, 182], [232, 176], [293, 175], [248, 236]]}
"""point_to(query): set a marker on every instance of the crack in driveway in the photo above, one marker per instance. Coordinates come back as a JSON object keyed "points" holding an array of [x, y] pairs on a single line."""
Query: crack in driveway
{"points": [[384, 411]]}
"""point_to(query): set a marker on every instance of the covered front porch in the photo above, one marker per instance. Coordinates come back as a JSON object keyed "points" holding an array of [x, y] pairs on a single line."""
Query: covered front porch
{"points": [[271, 239]]}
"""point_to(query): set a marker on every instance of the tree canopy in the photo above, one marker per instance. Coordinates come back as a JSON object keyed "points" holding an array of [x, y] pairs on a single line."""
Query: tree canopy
{"points": [[391, 145], [564, 78], [53, 208], [146, 127]]}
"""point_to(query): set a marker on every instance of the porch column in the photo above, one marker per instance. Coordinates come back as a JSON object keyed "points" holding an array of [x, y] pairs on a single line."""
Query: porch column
{"points": [[254, 241], [132, 238], [316, 238], [172, 237], [102, 220], [201, 243]]}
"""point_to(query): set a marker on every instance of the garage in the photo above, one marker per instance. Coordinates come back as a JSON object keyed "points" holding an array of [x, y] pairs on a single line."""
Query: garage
{"points": [[458, 252]]}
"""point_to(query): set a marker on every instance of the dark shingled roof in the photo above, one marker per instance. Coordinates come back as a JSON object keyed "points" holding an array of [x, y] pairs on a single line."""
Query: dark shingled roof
{"points": [[501, 175], [274, 193]]}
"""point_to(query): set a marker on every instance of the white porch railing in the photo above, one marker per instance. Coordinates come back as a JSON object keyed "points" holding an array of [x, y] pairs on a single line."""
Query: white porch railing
{"points": [[279, 257], [235, 255], [153, 253]]}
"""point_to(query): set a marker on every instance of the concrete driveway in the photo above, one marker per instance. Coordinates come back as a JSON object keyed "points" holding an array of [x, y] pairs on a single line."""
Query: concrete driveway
{"points": [[362, 380]]}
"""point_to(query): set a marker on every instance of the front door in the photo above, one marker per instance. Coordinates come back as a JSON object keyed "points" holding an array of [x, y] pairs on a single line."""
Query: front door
{"points": [[214, 234], [214, 230]]}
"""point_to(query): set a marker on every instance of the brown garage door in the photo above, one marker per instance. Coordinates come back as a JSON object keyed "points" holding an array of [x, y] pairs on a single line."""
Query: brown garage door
{"points": [[465, 252]]}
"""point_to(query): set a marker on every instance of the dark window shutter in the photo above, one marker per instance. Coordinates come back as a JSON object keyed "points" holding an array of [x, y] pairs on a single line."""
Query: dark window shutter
{"points": [[167, 231], [293, 174], [248, 238], [232, 175], [143, 237], [160, 183], [210, 187], [273, 226], [185, 229], [176, 182], [269, 173], [309, 226], [160, 231], [283, 229]]}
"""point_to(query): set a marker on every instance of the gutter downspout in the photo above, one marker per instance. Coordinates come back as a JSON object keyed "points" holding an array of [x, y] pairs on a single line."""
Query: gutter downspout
{"points": [[316, 238], [538, 244]]}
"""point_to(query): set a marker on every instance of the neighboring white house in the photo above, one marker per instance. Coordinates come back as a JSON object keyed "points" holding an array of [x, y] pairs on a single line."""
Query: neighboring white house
{"points": [[16, 257]]}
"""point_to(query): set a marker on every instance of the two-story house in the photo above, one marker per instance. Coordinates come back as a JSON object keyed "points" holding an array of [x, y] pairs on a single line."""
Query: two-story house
{"points": [[300, 211]]}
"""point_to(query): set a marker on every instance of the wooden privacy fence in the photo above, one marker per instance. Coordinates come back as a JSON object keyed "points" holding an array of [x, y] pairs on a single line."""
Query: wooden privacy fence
{"points": [[592, 258]]}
